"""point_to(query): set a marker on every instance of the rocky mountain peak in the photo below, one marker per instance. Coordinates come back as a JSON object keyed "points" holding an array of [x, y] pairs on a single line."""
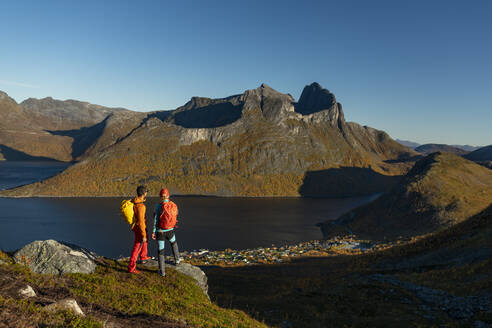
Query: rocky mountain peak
{"points": [[317, 105], [4, 97], [315, 99]]}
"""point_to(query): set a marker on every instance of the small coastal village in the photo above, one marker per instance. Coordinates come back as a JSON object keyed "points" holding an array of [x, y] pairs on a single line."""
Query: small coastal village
{"points": [[279, 254]]}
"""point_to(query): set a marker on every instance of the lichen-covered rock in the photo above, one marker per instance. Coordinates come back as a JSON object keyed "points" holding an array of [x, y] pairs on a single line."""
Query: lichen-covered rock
{"points": [[189, 270], [194, 272], [51, 256], [65, 304], [27, 292]]}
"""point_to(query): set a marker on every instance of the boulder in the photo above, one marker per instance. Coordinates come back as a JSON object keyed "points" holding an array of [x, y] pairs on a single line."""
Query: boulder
{"points": [[194, 272], [187, 269], [51, 256], [27, 292], [65, 304]]}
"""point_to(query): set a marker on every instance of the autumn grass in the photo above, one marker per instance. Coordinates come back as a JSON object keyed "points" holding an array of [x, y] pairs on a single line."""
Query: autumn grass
{"points": [[441, 190], [337, 291], [175, 299], [23, 313]]}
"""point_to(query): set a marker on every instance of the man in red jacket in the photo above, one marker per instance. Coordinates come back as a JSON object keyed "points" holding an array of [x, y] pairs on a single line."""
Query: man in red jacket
{"points": [[140, 243]]}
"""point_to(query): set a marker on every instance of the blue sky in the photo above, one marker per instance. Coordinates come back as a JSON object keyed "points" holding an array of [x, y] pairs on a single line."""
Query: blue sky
{"points": [[420, 70]]}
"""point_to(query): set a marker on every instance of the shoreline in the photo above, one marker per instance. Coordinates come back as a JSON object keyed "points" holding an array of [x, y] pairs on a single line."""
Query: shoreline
{"points": [[347, 245], [197, 196]]}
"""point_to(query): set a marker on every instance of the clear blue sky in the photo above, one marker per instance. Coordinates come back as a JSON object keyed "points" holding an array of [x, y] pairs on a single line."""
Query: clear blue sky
{"points": [[420, 70]]}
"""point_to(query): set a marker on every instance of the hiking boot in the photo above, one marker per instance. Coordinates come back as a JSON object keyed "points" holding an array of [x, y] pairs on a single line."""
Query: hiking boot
{"points": [[177, 262]]}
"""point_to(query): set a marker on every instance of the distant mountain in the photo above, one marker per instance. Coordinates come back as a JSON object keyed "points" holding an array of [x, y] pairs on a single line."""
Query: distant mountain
{"points": [[409, 144], [432, 148], [413, 145], [441, 190], [482, 156], [61, 130], [467, 148], [257, 143]]}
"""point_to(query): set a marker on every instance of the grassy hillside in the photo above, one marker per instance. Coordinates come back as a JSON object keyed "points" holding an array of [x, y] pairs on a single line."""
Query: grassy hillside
{"points": [[442, 279], [111, 295], [442, 189]]}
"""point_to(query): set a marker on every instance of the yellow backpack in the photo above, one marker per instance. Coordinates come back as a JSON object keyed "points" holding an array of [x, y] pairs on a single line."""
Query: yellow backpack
{"points": [[126, 209]]}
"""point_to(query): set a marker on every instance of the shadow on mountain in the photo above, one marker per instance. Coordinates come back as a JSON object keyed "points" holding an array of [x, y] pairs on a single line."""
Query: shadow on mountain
{"points": [[212, 116], [11, 154], [345, 182], [405, 159], [162, 115], [83, 138]]}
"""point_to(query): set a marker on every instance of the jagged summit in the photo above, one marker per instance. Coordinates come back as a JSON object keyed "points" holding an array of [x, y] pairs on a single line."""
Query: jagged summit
{"points": [[316, 105], [314, 99]]}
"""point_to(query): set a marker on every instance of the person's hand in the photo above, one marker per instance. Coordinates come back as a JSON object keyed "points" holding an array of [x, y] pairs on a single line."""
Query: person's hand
{"points": [[153, 236], [144, 240]]}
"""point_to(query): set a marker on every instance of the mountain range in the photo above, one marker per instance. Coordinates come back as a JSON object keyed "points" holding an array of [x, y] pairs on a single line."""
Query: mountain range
{"points": [[437, 147], [261, 142]]}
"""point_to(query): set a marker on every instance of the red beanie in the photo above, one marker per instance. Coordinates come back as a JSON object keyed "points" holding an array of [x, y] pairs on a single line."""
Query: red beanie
{"points": [[164, 193]]}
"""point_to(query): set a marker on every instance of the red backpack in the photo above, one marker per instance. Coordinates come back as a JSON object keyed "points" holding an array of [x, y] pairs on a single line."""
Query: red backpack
{"points": [[169, 215]]}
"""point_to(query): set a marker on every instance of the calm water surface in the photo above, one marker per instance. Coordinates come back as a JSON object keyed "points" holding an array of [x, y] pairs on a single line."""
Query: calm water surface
{"points": [[14, 174], [204, 222]]}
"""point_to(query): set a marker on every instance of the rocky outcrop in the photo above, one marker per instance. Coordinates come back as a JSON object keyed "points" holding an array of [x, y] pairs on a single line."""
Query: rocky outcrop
{"points": [[27, 292], [187, 269], [193, 272], [68, 304], [317, 105], [53, 257]]}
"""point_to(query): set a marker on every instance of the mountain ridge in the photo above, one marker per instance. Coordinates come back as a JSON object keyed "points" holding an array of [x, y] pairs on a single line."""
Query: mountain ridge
{"points": [[252, 144], [441, 190]]}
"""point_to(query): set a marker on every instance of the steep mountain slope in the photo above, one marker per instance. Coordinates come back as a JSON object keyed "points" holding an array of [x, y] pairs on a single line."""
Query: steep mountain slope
{"points": [[432, 148], [60, 130], [258, 143], [441, 190]]}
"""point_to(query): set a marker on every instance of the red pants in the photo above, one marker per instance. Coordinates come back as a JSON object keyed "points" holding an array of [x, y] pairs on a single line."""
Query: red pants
{"points": [[139, 248]]}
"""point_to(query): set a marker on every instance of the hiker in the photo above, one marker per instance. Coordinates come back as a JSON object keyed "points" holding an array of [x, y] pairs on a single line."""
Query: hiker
{"points": [[165, 219], [140, 243]]}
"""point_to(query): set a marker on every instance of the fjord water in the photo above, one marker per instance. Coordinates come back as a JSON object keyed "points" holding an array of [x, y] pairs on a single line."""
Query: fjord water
{"points": [[14, 174], [204, 222]]}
